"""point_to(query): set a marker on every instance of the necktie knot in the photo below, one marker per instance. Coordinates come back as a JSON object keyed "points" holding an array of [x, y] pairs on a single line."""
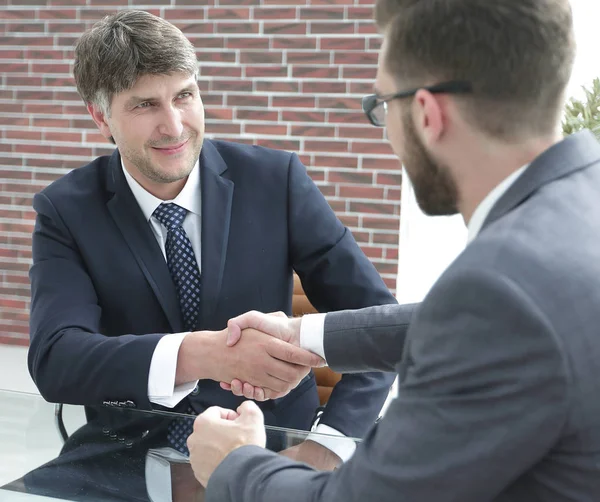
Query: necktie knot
{"points": [[170, 215]]}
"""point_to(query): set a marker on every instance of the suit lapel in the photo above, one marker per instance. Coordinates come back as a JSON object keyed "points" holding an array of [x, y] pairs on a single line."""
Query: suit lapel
{"points": [[136, 231], [217, 196], [575, 152]]}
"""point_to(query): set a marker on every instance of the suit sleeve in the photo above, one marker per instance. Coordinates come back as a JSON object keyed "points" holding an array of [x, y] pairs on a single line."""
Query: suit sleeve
{"points": [[335, 275], [483, 397], [69, 359]]}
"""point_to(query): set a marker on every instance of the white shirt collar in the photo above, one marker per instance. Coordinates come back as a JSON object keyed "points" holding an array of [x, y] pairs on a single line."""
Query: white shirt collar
{"points": [[188, 198], [486, 205]]}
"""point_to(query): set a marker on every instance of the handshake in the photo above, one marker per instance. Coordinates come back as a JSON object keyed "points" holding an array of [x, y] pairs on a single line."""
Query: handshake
{"points": [[257, 356]]}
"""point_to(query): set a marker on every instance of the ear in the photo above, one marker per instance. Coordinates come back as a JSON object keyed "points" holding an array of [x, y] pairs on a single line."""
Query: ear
{"points": [[100, 120], [428, 116]]}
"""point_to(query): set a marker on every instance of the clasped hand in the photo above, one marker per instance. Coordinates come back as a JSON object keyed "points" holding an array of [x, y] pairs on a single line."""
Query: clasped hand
{"points": [[280, 327]]}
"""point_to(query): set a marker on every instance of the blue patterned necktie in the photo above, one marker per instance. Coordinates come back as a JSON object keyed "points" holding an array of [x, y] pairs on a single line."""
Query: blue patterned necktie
{"points": [[186, 276]]}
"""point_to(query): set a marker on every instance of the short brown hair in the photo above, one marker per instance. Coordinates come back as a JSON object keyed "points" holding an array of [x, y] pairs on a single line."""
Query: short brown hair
{"points": [[517, 54], [116, 51]]}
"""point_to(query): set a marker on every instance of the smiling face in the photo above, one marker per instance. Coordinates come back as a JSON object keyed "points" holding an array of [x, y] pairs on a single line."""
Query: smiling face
{"points": [[158, 126]]}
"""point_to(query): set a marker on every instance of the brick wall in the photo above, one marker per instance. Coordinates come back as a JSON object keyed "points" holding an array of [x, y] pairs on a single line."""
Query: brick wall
{"points": [[285, 74]]}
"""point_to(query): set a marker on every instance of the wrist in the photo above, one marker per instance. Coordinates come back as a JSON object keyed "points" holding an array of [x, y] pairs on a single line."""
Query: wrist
{"points": [[198, 357]]}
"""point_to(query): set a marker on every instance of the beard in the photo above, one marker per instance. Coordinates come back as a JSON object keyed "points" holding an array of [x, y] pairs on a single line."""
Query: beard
{"points": [[153, 171], [435, 189]]}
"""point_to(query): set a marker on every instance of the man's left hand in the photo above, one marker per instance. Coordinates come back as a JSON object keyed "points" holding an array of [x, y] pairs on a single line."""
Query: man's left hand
{"points": [[313, 454], [217, 432]]}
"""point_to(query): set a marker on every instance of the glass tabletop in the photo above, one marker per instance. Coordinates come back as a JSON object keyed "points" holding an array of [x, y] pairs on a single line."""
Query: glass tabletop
{"points": [[49, 452]]}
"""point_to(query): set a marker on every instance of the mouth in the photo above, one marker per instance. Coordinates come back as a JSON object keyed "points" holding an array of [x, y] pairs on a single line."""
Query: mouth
{"points": [[172, 149]]}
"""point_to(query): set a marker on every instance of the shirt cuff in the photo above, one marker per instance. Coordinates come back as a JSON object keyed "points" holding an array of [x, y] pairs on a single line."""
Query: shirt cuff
{"points": [[341, 445], [163, 368], [312, 327]]}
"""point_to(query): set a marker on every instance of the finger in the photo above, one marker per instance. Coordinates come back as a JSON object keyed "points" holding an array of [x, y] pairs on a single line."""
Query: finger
{"points": [[214, 413], [234, 333], [259, 394], [225, 386], [249, 411], [289, 373], [290, 353], [237, 387], [248, 391]]}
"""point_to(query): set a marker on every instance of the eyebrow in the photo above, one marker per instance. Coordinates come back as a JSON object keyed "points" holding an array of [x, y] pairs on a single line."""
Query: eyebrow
{"points": [[136, 100]]}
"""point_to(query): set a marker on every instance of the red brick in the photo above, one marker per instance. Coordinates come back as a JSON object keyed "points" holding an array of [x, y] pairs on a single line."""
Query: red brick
{"points": [[57, 13], [374, 208], [50, 68], [246, 43], [311, 72], [326, 146], [284, 28], [93, 137], [390, 253], [386, 268], [229, 129], [313, 131], [348, 117], [293, 102], [356, 58], [17, 14], [212, 99], [23, 81], [338, 161], [381, 223], [73, 137], [382, 164], [361, 237], [12, 108], [266, 71], [28, 135], [340, 103], [372, 251], [264, 129], [361, 132], [342, 43], [390, 282], [13, 173], [220, 71], [12, 28], [331, 2], [229, 14], [359, 72], [337, 205], [280, 144], [360, 192], [393, 194], [46, 122], [277, 86], [327, 190], [223, 85], [388, 179], [350, 221], [283, 2], [261, 57], [207, 41], [193, 28], [363, 88], [374, 43], [316, 175], [218, 113], [44, 54], [258, 115], [350, 177], [324, 87], [379, 147], [322, 13], [365, 13], [182, 14], [303, 116], [274, 13], [248, 100], [331, 28], [296, 43], [216, 56], [367, 27], [308, 58]]}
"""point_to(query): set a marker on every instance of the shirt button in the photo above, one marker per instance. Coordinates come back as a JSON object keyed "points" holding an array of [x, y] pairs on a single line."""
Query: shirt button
{"points": [[196, 391]]}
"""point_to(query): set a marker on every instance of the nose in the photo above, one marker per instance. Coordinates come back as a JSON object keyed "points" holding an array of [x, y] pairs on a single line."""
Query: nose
{"points": [[171, 124]]}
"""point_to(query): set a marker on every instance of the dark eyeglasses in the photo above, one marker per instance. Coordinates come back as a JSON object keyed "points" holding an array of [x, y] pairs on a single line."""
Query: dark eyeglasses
{"points": [[375, 107]]}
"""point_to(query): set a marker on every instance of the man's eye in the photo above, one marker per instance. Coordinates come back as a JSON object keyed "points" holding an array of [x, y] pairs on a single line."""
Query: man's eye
{"points": [[184, 95], [145, 104]]}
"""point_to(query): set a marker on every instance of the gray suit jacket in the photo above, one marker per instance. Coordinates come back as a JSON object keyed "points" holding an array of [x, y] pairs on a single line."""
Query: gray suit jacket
{"points": [[499, 396]]}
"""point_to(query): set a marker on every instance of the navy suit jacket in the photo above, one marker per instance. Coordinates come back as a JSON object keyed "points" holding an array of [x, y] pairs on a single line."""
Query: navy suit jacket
{"points": [[102, 296]]}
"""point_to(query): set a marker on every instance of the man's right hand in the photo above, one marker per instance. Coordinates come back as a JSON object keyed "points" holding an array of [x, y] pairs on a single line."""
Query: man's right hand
{"points": [[263, 361]]}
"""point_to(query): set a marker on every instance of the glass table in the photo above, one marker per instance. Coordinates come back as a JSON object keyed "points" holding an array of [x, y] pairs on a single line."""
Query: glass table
{"points": [[50, 455]]}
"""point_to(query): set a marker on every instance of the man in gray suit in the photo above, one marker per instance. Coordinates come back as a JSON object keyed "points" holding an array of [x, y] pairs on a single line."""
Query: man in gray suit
{"points": [[499, 371]]}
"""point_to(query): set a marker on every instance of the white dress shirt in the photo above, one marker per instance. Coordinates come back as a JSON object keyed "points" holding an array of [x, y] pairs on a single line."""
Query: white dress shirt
{"points": [[312, 325], [163, 366]]}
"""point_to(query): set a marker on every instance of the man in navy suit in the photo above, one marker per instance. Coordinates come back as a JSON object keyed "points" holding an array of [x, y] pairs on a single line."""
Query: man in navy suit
{"points": [[111, 322]]}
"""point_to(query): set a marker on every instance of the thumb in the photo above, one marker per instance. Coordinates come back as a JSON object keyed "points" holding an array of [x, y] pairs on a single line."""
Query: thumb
{"points": [[234, 333], [249, 412], [267, 323]]}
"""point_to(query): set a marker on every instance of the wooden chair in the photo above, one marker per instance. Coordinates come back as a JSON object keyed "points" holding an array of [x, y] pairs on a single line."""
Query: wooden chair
{"points": [[326, 378]]}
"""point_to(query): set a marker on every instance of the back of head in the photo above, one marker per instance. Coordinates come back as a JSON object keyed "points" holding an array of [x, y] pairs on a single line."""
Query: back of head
{"points": [[516, 54], [116, 51]]}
